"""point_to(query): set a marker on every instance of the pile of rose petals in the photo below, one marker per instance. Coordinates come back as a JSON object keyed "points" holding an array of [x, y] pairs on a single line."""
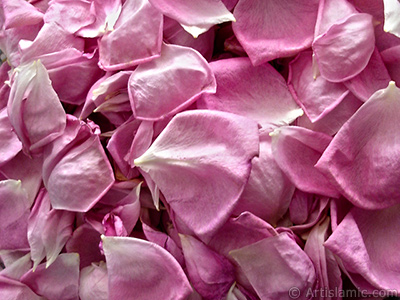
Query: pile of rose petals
{"points": [[199, 149]]}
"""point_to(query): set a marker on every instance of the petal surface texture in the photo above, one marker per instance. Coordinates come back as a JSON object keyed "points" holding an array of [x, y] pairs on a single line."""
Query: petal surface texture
{"points": [[201, 163], [362, 160], [138, 269], [169, 83], [264, 28], [259, 93]]}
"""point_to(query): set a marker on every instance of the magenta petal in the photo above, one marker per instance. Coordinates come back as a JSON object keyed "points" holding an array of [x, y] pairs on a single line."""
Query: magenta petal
{"points": [[34, 108], [268, 191], [345, 49], [269, 102], [210, 273], [276, 265], [85, 241], [391, 58], [14, 213], [11, 290], [127, 45], [76, 171], [369, 133], [297, 150], [266, 28], [94, 282], [363, 242], [196, 158], [59, 281], [20, 13], [10, 145], [136, 266], [196, 17], [169, 83], [374, 77], [316, 96]]}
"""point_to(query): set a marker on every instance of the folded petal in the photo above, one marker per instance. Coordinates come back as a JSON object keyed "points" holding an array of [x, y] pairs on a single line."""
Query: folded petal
{"points": [[34, 108], [210, 273], [268, 192], [265, 28], [392, 17], [136, 38], [364, 243], [10, 145], [296, 151], [14, 213], [193, 161], [135, 266], [259, 93], [76, 171], [316, 96], [196, 17], [345, 49], [365, 147], [275, 266], [93, 283], [169, 83], [59, 281]]}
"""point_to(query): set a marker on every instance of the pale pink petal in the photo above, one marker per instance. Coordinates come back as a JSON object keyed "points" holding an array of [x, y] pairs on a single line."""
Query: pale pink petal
{"points": [[14, 213], [11, 290], [136, 38], [316, 96], [34, 108], [135, 267], [345, 49], [106, 13], [76, 171], [10, 145], [210, 273], [266, 29], [71, 15], [169, 83], [374, 77], [331, 12], [369, 133], [51, 38], [193, 161], [104, 90], [333, 120], [175, 34], [392, 17], [268, 191], [85, 241], [93, 283], [19, 13], [259, 93], [297, 150], [196, 17], [274, 266], [59, 281], [365, 245]]}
